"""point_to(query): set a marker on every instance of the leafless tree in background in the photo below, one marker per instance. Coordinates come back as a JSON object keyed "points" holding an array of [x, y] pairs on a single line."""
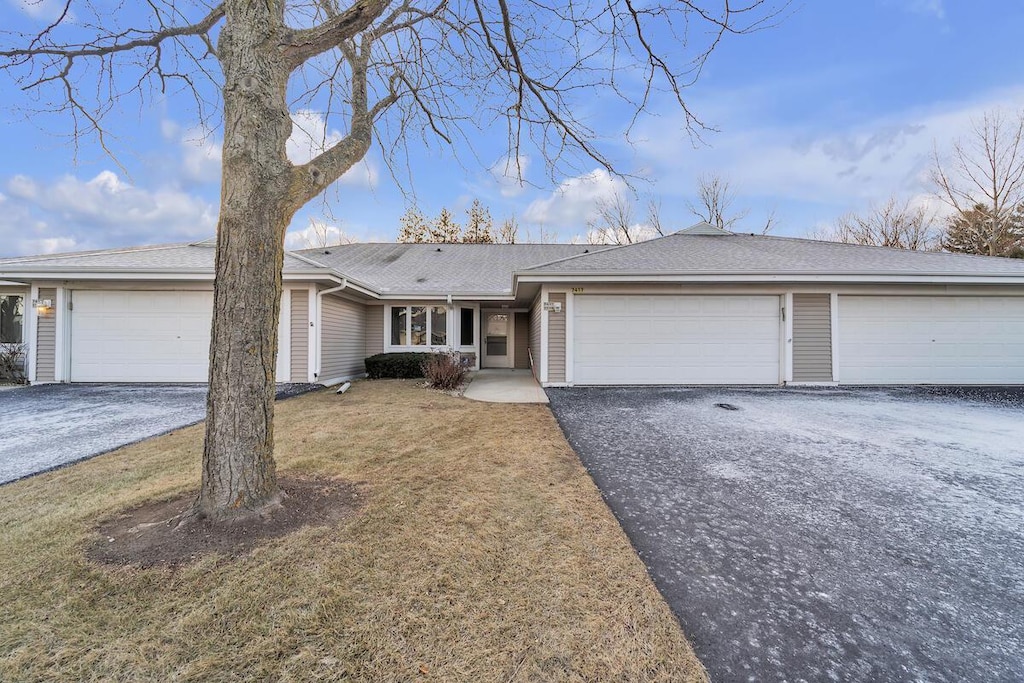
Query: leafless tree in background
{"points": [[895, 224], [392, 71], [716, 199], [984, 174]]}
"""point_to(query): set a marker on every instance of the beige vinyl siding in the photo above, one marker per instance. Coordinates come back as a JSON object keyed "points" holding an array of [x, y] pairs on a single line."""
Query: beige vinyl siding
{"points": [[300, 335], [556, 340], [535, 316], [522, 357], [812, 338], [46, 339], [343, 338], [374, 333]]}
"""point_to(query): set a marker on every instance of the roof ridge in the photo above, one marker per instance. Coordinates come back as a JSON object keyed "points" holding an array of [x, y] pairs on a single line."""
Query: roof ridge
{"points": [[612, 247], [95, 252], [881, 247]]}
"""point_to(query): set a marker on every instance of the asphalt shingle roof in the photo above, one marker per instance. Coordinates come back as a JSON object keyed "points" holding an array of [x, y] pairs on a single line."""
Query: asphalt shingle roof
{"points": [[169, 257], [682, 253], [440, 268]]}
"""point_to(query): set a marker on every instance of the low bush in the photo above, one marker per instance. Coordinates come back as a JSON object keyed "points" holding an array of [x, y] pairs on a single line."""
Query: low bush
{"points": [[444, 371], [394, 366], [12, 363]]}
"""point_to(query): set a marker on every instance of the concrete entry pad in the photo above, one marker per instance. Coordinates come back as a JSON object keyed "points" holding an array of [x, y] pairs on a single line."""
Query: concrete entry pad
{"points": [[822, 534], [505, 386]]}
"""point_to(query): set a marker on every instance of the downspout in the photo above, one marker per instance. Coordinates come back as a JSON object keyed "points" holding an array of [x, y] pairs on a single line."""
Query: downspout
{"points": [[319, 339]]}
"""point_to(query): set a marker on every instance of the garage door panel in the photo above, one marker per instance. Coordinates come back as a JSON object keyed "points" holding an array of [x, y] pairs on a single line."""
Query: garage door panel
{"points": [[140, 336], [931, 340], [676, 339]]}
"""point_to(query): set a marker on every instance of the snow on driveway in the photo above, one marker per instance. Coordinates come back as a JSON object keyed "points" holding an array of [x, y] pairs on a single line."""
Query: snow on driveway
{"points": [[54, 424], [50, 425], [815, 535]]}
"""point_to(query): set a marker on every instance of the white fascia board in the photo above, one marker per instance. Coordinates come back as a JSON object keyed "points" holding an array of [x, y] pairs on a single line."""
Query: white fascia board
{"points": [[443, 296], [917, 278]]}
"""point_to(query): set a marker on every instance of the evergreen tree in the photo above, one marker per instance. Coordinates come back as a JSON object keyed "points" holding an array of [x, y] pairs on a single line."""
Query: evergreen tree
{"points": [[444, 229], [413, 226], [479, 226], [973, 232]]}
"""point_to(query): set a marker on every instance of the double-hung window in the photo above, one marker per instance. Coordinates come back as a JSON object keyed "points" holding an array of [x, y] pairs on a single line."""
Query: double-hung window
{"points": [[419, 326], [12, 318]]}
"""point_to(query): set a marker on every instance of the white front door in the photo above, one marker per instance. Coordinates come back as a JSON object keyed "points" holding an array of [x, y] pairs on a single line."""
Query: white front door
{"points": [[497, 340]]}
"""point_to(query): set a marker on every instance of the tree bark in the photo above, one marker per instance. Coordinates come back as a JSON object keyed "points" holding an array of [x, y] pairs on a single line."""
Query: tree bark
{"points": [[239, 478]]}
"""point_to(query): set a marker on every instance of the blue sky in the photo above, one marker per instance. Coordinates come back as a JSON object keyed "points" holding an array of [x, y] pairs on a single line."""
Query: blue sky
{"points": [[837, 107]]}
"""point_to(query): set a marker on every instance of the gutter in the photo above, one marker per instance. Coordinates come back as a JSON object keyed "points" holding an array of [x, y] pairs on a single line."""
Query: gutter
{"points": [[318, 324]]}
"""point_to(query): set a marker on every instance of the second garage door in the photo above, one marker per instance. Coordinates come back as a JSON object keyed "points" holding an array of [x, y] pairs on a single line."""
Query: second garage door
{"points": [[676, 339], [154, 336], [931, 340]]}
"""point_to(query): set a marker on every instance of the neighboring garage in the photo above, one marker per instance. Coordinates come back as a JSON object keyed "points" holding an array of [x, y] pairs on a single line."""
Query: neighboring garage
{"points": [[140, 336], [156, 335], [931, 340], [676, 339]]}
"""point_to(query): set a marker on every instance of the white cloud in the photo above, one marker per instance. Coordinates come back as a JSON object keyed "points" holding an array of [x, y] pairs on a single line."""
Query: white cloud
{"points": [[932, 8], [104, 211], [201, 155], [46, 10], [575, 200], [510, 174], [846, 167], [317, 234]]}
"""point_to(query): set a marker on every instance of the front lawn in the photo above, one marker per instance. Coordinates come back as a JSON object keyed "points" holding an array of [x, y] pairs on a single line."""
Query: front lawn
{"points": [[482, 552]]}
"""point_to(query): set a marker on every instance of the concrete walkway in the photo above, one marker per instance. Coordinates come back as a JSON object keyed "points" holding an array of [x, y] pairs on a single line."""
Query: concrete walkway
{"points": [[505, 386]]}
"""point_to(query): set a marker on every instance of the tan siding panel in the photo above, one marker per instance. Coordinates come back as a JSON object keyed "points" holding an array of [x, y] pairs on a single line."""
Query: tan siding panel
{"points": [[522, 357], [343, 330], [300, 335], [556, 340], [535, 316], [374, 330], [46, 339], [812, 338]]}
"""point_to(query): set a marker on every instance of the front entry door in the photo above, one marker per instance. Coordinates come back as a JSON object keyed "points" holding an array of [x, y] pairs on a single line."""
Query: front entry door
{"points": [[497, 340]]}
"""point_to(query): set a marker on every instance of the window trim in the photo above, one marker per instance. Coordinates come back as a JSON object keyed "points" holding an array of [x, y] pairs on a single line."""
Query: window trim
{"points": [[429, 332], [24, 315]]}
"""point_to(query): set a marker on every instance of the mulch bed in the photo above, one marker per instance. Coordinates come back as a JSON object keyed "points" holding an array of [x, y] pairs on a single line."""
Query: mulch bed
{"points": [[149, 536]]}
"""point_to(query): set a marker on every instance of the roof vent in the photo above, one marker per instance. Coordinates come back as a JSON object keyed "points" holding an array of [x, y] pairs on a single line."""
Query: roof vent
{"points": [[586, 251], [327, 251], [439, 248]]}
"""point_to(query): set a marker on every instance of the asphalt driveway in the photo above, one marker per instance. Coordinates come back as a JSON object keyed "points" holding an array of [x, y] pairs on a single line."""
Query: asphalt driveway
{"points": [[51, 425], [815, 535]]}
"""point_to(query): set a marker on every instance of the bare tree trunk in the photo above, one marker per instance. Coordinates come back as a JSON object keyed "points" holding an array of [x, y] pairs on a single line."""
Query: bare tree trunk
{"points": [[238, 467]]}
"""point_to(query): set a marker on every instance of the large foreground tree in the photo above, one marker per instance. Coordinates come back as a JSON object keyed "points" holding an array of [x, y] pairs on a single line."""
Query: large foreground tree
{"points": [[398, 71]]}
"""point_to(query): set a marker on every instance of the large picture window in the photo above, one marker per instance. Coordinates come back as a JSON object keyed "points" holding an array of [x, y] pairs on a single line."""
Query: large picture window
{"points": [[12, 318], [419, 326]]}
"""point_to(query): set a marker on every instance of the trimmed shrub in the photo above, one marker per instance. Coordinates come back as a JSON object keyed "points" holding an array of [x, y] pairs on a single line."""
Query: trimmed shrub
{"points": [[444, 371], [395, 366]]}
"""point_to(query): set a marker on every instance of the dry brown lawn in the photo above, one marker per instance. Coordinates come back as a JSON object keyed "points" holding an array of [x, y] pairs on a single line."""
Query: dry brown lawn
{"points": [[483, 552]]}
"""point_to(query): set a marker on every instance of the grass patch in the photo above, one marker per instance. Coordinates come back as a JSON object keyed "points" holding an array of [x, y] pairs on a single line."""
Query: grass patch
{"points": [[483, 552]]}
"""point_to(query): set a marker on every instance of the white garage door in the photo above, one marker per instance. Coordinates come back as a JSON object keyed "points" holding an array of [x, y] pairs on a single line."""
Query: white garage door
{"points": [[931, 340], [140, 336], [632, 339]]}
